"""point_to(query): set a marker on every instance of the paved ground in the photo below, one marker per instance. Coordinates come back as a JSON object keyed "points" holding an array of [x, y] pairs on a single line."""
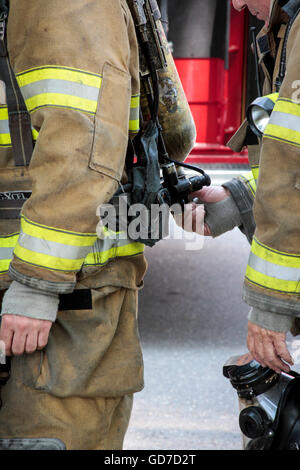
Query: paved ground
{"points": [[192, 319]]}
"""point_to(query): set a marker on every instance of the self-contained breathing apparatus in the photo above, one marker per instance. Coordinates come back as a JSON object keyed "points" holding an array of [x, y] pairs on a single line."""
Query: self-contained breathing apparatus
{"points": [[167, 128], [269, 404]]}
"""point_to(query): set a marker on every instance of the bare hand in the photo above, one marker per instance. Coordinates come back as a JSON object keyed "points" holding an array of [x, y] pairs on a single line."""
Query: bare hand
{"points": [[192, 219], [23, 334], [269, 348], [211, 194]]}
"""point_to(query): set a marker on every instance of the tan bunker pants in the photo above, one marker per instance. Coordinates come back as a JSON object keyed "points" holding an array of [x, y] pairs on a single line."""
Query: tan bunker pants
{"points": [[79, 388]]}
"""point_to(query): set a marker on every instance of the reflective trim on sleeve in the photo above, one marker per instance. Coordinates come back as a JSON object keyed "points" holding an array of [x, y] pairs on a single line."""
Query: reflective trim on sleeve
{"points": [[284, 124], [52, 248], [60, 250], [110, 248], [249, 179], [273, 269], [134, 120], [60, 87], [5, 140], [7, 245]]}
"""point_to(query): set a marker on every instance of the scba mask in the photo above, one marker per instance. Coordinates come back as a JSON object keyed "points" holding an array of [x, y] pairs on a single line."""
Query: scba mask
{"points": [[269, 404]]}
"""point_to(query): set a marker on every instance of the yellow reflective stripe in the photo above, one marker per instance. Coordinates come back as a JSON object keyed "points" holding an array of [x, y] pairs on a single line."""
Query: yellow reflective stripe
{"points": [[134, 121], [273, 97], [9, 241], [249, 180], [56, 235], [267, 282], [135, 101], [4, 265], [273, 269], [7, 244], [284, 124], [273, 256], [61, 87], [102, 257], [61, 100], [35, 134], [52, 248], [255, 172], [47, 261], [58, 73], [4, 113], [278, 133], [287, 106], [5, 140]]}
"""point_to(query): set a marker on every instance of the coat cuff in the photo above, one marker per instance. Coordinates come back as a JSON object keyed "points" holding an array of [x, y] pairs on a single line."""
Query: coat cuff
{"points": [[222, 216], [244, 201], [271, 321], [26, 301]]}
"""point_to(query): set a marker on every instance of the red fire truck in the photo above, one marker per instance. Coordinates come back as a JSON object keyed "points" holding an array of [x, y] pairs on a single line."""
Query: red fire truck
{"points": [[210, 42]]}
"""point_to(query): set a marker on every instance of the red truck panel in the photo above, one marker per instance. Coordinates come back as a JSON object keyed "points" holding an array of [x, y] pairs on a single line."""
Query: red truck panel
{"points": [[216, 97]]}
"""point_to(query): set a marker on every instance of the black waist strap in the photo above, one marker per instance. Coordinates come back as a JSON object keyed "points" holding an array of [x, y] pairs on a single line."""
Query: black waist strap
{"points": [[80, 299]]}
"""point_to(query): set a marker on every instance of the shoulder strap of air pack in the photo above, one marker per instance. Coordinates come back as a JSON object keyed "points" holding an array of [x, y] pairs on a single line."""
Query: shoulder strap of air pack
{"points": [[18, 115]]}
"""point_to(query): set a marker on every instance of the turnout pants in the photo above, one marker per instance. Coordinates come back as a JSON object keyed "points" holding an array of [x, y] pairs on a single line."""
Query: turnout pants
{"points": [[78, 391]]}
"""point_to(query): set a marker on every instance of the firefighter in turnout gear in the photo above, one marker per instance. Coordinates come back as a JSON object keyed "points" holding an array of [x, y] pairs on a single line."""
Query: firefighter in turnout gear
{"points": [[272, 280], [76, 64], [72, 76]]}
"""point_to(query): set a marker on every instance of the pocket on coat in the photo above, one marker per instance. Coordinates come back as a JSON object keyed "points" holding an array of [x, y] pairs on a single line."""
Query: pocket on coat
{"points": [[90, 353], [111, 123]]}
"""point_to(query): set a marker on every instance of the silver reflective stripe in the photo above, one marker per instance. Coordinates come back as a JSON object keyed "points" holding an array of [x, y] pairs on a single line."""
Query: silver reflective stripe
{"points": [[289, 121], [276, 271], [4, 127], [108, 243], [46, 247], [62, 87], [6, 253], [134, 113]]}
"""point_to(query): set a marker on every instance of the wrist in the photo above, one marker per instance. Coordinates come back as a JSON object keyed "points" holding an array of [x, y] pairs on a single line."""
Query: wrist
{"points": [[29, 302], [222, 216], [277, 322]]}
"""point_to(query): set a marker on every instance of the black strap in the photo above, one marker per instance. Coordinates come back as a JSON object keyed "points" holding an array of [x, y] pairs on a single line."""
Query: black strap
{"points": [[282, 69], [79, 299], [18, 116]]}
